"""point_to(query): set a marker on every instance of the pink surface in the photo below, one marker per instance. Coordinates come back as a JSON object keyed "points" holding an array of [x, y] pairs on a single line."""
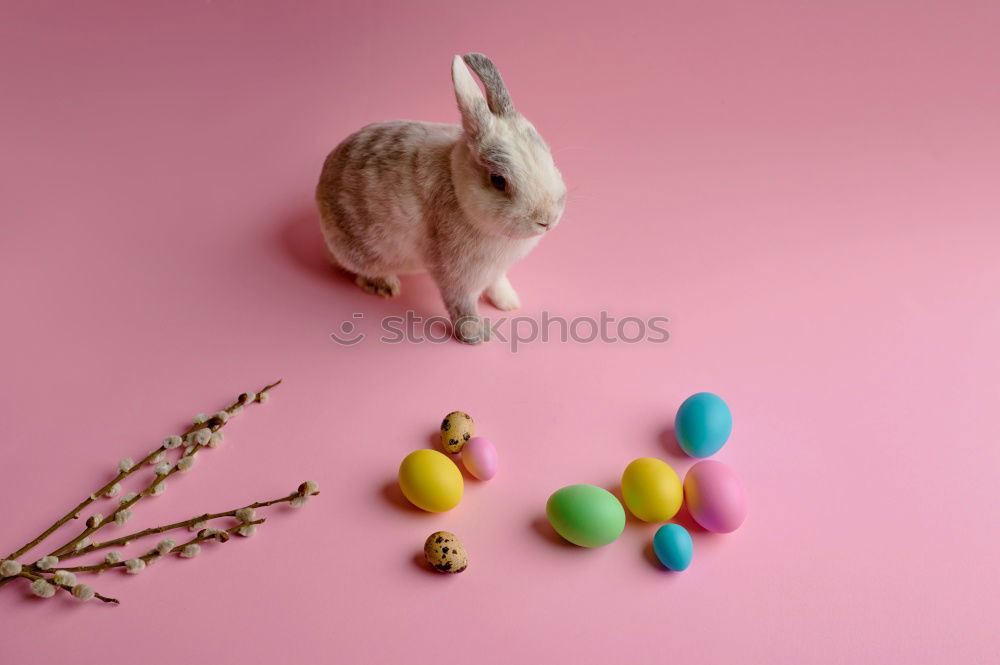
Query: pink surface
{"points": [[807, 190]]}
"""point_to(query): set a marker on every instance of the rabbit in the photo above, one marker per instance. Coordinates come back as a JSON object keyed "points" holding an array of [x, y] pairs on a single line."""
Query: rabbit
{"points": [[462, 203]]}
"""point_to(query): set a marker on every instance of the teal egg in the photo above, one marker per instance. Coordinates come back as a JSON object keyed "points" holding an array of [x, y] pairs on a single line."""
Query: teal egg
{"points": [[586, 515], [673, 547], [703, 424]]}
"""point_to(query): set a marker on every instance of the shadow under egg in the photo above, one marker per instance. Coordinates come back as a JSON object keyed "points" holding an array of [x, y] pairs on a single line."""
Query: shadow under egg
{"points": [[392, 495]]}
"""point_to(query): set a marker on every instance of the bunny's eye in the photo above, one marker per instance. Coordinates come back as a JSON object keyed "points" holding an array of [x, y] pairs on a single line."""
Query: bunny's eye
{"points": [[499, 182]]}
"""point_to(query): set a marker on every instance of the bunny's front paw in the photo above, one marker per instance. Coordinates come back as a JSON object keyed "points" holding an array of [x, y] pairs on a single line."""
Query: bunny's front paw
{"points": [[502, 295], [387, 287], [472, 329]]}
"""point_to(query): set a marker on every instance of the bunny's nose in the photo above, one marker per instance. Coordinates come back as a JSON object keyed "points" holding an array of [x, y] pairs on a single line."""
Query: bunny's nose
{"points": [[546, 218]]}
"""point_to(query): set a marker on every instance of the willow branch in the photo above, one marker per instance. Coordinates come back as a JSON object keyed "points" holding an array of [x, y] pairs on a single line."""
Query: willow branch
{"points": [[203, 535], [75, 512], [87, 531], [65, 587], [125, 540]]}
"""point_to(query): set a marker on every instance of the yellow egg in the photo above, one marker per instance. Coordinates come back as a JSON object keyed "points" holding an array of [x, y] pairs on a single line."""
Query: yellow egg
{"points": [[651, 489], [430, 480]]}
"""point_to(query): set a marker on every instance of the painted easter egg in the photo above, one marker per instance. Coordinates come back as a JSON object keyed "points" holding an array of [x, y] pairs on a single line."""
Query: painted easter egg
{"points": [[703, 424], [456, 430], [673, 547], [651, 489], [715, 496], [480, 458], [430, 480], [586, 515]]}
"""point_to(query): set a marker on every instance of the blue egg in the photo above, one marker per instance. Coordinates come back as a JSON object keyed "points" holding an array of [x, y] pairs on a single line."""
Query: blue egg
{"points": [[703, 424], [673, 547]]}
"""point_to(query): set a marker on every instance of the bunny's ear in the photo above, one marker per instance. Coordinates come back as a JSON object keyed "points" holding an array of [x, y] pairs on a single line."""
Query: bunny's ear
{"points": [[472, 104], [496, 92]]}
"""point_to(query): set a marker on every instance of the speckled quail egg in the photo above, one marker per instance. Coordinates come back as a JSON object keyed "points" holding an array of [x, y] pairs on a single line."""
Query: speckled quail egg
{"points": [[445, 553], [456, 429]]}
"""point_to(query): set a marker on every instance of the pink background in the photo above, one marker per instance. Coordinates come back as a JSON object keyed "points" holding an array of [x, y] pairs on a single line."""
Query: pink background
{"points": [[808, 190]]}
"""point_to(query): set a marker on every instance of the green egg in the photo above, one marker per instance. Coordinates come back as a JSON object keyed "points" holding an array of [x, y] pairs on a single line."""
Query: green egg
{"points": [[586, 515]]}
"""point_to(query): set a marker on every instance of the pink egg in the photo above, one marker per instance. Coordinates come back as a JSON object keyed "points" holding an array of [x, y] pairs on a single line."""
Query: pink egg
{"points": [[715, 496], [480, 458]]}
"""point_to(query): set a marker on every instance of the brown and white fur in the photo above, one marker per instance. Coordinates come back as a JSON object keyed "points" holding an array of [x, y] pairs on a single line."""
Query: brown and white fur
{"points": [[462, 203]]}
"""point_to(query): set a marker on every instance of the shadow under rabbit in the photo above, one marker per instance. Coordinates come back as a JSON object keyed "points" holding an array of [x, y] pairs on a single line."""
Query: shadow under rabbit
{"points": [[301, 242]]}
